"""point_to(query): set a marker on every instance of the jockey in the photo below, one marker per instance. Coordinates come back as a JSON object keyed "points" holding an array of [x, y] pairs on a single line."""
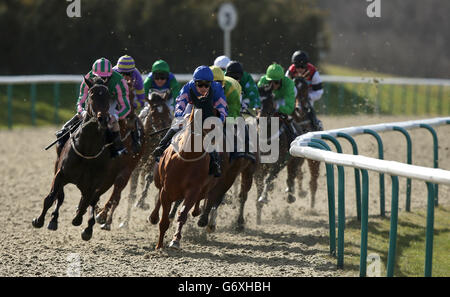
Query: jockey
{"points": [[222, 62], [126, 66], [119, 109], [161, 79], [301, 71], [283, 91], [201, 84], [232, 90], [282, 87], [250, 94]]}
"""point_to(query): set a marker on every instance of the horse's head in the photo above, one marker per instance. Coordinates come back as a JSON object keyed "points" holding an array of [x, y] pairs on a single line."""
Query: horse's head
{"points": [[157, 101], [268, 107], [204, 103], [97, 105]]}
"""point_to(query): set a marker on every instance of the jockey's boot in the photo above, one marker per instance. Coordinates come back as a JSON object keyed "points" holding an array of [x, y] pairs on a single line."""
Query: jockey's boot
{"points": [[317, 124], [118, 148], [136, 137], [65, 128], [214, 165], [164, 143]]}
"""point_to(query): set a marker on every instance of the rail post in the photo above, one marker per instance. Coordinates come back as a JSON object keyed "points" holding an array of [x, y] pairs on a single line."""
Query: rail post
{"points": [[409, 161], [435, 158], [331, 201], [393, 229], [381, 157], [356, 170], [341, 209]]}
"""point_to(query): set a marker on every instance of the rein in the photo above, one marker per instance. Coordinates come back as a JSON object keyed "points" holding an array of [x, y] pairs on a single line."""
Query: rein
{"points": [[72, 143]]}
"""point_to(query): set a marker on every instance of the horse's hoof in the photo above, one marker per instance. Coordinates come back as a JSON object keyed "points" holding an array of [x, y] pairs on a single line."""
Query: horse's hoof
{"points": [[106, 227], [52, 225], [302, 194], [77, 221], [291, 198], [37, 223], [142, 205], [86, 235], [203, 221], [123, 225], [100, 218], [153, 219], [174, 244], [263, 200], [239, 227], [210, 229]]}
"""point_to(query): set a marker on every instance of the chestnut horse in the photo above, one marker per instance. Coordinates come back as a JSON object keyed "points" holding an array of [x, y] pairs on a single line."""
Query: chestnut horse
{"points": [[155, 121], [83, 161], [183, 174]]}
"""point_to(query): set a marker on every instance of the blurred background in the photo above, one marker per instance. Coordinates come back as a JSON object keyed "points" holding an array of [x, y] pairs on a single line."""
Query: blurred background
{"points": [[410, 39]]}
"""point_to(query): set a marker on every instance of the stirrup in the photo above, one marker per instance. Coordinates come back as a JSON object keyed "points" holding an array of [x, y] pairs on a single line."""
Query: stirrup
{"points": [[215, 169]]}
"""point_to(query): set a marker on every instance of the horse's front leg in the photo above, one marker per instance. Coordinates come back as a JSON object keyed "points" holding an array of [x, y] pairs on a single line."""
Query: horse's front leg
{"points": [[301, 192], [53, 224], [119, 185], [246, 184], [292, 169], [314, 168], [188, 203], [57, 186]]}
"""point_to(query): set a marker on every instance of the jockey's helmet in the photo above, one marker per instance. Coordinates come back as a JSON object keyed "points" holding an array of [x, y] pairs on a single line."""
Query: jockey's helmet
{"points": [[102, 67], [125, 64], [274, 72], [222, 62], [218, 74], [203, 73], [300, 58], [235, 70], [160, 66]]}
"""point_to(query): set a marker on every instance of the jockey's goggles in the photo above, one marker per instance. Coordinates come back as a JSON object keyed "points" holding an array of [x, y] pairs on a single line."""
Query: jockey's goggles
{"points": [[300, 65], [203, 83], [276, 82], [127, 73], [160, 75]]}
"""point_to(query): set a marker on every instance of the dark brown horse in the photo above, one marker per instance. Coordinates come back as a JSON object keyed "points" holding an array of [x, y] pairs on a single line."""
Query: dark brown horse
{"points": [[183, 174], [155, 121], [84, 160], [121, 169], [266, 174], [244, 164]]}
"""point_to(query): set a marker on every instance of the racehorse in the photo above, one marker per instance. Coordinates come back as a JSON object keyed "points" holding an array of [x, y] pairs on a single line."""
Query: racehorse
{"points": [[303, 123], [155, 121], [183, 173], [265, 176], [122, 168], [83, 161]]}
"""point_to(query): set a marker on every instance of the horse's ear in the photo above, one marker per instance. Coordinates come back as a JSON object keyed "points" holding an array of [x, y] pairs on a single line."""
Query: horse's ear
{"points": [[88, 82]]}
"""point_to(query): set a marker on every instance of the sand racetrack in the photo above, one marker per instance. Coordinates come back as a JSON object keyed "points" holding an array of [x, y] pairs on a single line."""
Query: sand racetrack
{"points": [[292, 241]]}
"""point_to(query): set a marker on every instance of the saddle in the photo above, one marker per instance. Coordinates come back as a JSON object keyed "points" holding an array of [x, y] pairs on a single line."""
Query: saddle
{"points": [[236, 154], [133, 125]]}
